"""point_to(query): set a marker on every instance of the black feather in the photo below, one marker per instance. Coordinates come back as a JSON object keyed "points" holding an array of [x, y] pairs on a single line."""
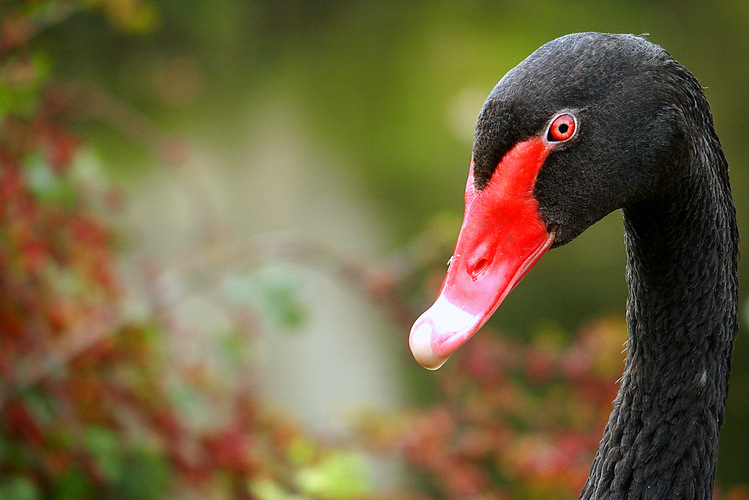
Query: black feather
{"points": [[645, 144]]}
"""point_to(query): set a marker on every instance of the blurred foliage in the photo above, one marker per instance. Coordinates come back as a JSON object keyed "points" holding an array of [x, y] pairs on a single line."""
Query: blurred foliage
{"points": [[521, 419], [96, 404], [91, 404]]}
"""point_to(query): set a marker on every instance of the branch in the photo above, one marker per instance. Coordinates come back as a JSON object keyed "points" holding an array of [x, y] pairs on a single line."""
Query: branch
{"points": [[380, 283]]}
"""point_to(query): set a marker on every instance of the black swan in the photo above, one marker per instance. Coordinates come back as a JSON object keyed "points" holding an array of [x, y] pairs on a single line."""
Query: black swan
{"points": [[587, 124]]}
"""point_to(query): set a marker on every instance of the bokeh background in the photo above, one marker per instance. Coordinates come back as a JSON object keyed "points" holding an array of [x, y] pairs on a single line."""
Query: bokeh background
{"points": [[277, 186]]}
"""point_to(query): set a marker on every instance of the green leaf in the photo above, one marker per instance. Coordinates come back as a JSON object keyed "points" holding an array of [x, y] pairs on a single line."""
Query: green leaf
{"points": [[301, 451], [282, 306], [46, 185], [338, 476], [88, 169], [266, 489], [145, 476], [274, 291], [21, 82], [192, 404], [73, 486], [19, 488], [232, 348], [104, 447], [41, 406], [144, 19]]}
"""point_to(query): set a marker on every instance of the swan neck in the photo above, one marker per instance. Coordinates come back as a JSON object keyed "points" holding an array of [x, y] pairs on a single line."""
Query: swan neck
{"points": [[662, 435]]}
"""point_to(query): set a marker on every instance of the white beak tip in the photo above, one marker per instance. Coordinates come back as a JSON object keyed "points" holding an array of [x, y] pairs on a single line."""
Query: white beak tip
{"points": [[420, 342]]}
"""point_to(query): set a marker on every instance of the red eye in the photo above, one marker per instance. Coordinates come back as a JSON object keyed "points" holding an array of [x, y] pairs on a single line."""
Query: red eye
{"points": [[562, 128]]}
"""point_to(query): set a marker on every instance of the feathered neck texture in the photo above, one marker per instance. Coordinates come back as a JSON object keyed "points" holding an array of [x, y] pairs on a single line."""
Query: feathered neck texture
{"points": [[661, 440]]}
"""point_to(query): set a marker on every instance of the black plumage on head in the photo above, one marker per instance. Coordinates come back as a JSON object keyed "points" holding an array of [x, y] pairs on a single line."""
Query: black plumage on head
{"points": [[645, 143]]}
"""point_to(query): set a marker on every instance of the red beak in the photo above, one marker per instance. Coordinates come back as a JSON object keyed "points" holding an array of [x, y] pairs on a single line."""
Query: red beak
{"points": [[502, 237]]}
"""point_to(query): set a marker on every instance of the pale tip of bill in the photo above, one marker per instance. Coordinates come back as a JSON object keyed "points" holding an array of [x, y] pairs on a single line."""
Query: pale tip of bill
{"points": [[420, 342]]}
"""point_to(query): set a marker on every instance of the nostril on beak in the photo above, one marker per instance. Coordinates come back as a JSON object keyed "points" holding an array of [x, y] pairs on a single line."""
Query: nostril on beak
{"points": [[478, 268]]}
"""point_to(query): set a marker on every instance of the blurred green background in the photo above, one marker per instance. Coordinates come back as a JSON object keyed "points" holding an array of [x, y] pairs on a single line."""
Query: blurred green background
{"points": [[351, 122]]}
